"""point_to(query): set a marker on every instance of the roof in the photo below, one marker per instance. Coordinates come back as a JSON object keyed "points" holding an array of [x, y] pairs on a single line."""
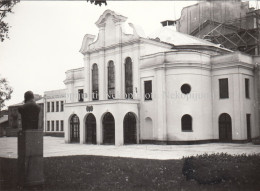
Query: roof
{"points": [[4, 119], [168, 35]]}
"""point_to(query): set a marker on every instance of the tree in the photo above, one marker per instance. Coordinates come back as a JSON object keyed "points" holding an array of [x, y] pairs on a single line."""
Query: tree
{"points": [[5, 7], [98, 2], [5, 92]]}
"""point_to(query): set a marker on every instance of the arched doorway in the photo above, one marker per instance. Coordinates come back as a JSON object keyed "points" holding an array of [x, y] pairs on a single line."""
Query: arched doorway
{"points": [[74, 129], [130, 132], [225, 128], [90, 126], [108, 129]]}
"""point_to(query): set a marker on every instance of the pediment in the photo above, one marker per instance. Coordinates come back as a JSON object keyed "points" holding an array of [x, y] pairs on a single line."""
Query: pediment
{"points": [[116, 18]]}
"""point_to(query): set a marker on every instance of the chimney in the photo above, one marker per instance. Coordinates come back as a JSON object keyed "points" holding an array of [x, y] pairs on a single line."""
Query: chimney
{"points": [[170, 24]]}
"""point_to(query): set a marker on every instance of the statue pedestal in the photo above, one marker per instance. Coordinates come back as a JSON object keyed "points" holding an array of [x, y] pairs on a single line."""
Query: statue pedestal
{"points": [[30, 157]]}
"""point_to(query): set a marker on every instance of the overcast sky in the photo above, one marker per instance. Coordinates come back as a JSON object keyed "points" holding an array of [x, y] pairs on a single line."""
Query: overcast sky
{"points": [[46, 36]]}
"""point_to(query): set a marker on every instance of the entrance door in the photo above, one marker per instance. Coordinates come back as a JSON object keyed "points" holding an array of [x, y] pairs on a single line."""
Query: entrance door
{"points": [[225, 128], [108, 129], [130, 129], [74, 129], [248, 124], [91, 129]]}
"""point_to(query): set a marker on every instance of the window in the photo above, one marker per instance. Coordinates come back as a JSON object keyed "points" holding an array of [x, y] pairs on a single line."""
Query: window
{"points": [[111, 80], [48, 107], [61, 106], [185, 88], [57, 106], [57, 125], [223, 88], [186, 123], [61, 125], [48, 125], [52, 106], [128, 79], [95, 82], [247, 87], [81, 96], [52, 125], [148, 90]]}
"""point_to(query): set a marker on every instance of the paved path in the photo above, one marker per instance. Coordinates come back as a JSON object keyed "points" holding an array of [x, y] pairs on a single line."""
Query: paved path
{"points": [[56, 147]]}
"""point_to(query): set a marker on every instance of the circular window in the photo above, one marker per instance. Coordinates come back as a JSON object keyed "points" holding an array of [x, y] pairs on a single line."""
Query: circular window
{"points": [[185, 88]]}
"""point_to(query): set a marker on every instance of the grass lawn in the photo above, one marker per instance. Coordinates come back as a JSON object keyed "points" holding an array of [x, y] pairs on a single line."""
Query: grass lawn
{"points": [[114, 173]]}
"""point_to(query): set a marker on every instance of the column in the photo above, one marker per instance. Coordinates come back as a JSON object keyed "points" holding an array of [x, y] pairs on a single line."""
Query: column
{"points": [[81, 130], [99, 129], [119, 129], [161, 103], [102, 82], [119, 62], [87, 84]]}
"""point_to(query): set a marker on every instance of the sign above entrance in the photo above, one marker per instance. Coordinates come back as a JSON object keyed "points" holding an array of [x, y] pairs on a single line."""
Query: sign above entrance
{"points": [[89, 108]]}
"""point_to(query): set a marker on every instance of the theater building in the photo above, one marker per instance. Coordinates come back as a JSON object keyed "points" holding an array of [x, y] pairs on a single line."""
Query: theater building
{"points": [[167, 88]]}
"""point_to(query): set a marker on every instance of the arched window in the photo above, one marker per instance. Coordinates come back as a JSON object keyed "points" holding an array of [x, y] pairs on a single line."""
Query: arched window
{"points": [[95, 82], [186, 123], [111, 80], [128, 78]]}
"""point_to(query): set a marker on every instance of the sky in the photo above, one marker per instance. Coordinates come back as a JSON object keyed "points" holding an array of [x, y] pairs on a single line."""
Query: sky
{"points": [[46, 36]]}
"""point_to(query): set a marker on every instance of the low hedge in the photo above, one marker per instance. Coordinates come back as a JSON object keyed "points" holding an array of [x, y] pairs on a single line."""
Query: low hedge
{"points": [[221, 167]]}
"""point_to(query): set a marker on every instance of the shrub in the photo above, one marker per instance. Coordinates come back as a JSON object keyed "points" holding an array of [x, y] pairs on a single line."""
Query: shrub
{"points": [[221, 167]]}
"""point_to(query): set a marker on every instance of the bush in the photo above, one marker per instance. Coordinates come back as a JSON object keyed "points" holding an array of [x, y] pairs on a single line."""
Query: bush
{"points": [[221, 167]]}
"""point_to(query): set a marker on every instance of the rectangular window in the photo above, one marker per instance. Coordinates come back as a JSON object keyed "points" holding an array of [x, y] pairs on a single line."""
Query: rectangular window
{"points": [[148, 90], [57, 125], [52, 106], [80, 94], [61, 125], [48, 125], [61, 106], [48, 107], [223, 88], [52, 125], [57, 106], [247, 87]]}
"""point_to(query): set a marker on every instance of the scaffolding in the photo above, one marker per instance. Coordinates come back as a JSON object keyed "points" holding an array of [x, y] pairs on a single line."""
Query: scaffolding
{"points": [[241, 34]]}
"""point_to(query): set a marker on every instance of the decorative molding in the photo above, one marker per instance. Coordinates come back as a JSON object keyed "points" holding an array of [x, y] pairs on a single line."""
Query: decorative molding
{"points": [[116, 18]]}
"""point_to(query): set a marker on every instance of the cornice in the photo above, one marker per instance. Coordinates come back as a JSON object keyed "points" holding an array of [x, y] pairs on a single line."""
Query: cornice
{"points": [[113, 46], [102, 102]]}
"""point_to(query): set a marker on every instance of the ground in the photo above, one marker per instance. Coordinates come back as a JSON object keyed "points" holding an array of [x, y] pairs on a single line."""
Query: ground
{"points": [[133, 167], [54, 146]]}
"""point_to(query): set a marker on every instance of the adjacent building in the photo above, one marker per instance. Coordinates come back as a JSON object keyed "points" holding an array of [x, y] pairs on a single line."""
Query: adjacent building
{"points": [[54, 112], [232, 24]]}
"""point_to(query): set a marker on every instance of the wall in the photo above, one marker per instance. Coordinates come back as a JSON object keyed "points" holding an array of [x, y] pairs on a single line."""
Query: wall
{"points": [[236, 67]]}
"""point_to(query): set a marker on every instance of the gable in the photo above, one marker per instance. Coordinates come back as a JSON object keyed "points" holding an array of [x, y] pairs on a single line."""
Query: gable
{"points": [[111, 32]]}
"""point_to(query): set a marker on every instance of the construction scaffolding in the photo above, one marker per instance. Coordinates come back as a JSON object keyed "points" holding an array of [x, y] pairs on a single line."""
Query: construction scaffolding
{"points": [[241, 34]]}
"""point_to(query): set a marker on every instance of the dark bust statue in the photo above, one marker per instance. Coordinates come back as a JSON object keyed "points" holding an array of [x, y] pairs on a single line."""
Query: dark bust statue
{"points": [[29, 112]]}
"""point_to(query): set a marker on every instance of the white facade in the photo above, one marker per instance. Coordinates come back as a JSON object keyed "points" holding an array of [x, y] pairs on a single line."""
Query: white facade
{"points": [[167, 61], [54, 111]]}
